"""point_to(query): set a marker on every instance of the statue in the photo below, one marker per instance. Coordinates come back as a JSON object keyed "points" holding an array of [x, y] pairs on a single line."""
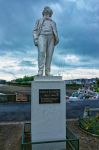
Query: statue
{"points": [[45, 38]]}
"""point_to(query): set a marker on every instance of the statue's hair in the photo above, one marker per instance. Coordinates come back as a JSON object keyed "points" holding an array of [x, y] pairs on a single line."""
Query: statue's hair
{"points": [[47, 10]]}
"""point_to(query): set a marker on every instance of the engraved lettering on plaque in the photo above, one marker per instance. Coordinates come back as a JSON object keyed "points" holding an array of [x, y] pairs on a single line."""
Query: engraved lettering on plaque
{"points": [[49, 96]]}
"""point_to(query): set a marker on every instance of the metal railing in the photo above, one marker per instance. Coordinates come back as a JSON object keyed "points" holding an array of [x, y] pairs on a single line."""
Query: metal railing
{"points": [[90, 112], [72, 142]]}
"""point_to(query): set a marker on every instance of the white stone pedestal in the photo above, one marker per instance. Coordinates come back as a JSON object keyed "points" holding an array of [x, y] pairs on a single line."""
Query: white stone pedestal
{"points": [[48, 120]]}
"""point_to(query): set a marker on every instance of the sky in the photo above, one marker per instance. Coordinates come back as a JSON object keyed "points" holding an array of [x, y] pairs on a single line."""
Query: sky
{"points": [[76, 55]]}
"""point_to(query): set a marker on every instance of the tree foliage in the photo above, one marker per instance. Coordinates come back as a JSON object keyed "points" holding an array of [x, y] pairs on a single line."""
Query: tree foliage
{"points": [[96, 86], [25, 79]]}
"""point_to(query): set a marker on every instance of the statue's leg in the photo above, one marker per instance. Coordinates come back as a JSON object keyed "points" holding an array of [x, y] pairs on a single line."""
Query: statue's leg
{"points": [[41, 53], [49, 54]]}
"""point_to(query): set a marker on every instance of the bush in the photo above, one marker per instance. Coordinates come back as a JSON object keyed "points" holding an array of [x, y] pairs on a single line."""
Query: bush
{"points": [[90, 124]]}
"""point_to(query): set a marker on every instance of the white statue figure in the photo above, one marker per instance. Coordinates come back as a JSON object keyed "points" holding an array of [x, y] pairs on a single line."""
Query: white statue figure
{"points": [[45, 38]]}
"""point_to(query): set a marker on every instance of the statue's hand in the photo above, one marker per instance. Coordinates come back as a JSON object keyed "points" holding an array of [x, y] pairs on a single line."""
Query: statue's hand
{"points": [[56, 41], [36, 42]]}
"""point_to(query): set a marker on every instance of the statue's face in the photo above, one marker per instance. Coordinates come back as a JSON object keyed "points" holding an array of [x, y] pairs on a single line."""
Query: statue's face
{"points": [[46, 15]]}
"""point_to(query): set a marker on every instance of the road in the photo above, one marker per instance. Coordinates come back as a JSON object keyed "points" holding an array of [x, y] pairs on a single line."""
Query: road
{"points": [[76, 109], [22, 111]]}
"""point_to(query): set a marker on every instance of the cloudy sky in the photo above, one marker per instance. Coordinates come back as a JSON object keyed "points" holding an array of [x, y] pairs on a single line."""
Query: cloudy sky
{"points": [[77, 54]]}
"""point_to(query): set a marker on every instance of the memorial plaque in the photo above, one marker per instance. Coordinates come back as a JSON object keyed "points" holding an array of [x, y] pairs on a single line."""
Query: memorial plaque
{"points": [[49, 96]]}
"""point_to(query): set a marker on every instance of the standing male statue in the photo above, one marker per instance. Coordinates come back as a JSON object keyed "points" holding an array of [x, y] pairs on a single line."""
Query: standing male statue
{"points": [[45, 38]]}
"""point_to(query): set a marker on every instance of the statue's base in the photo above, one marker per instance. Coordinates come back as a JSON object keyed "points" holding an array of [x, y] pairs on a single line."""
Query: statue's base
{"points": [[48, 112], [47, 78]]}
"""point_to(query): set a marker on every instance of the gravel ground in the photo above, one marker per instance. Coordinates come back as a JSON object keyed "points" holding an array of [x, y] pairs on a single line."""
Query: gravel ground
{"points": [[10, 136], [87, 142]]}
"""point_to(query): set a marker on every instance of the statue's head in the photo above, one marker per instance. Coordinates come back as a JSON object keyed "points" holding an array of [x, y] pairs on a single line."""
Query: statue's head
{"points": [[47, 11]]}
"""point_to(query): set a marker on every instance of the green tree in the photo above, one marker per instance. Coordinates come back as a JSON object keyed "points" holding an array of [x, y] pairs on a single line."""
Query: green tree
{"points": [[25, 79]]}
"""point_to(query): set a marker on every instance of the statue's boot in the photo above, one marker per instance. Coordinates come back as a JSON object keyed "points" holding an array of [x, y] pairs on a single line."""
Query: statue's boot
{"points": [[47, 73], [40, 73]]}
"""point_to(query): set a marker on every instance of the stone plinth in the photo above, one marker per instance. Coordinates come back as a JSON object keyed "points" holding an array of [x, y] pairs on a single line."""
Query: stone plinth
{"points": [[48, 112]]}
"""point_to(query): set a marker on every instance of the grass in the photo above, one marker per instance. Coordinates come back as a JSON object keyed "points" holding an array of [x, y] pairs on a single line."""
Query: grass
{"points": [[90, 124]]}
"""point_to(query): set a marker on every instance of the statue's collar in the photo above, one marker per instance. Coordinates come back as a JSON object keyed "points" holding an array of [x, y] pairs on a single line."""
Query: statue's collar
{"points": [[47, 19]]}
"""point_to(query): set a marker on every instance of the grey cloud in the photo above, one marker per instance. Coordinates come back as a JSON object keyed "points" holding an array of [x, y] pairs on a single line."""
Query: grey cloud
{"points": [[78, 27], [84, 62], [27, 63], [79, 31], [6, 71]]}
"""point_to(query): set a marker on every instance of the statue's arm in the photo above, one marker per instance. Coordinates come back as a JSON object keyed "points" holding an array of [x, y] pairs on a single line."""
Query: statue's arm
{"points": [[55, 33], [35, 33]]}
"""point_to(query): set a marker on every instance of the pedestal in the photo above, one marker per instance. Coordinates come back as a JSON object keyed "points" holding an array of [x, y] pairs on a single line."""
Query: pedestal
{"points": [[48, 112]]}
